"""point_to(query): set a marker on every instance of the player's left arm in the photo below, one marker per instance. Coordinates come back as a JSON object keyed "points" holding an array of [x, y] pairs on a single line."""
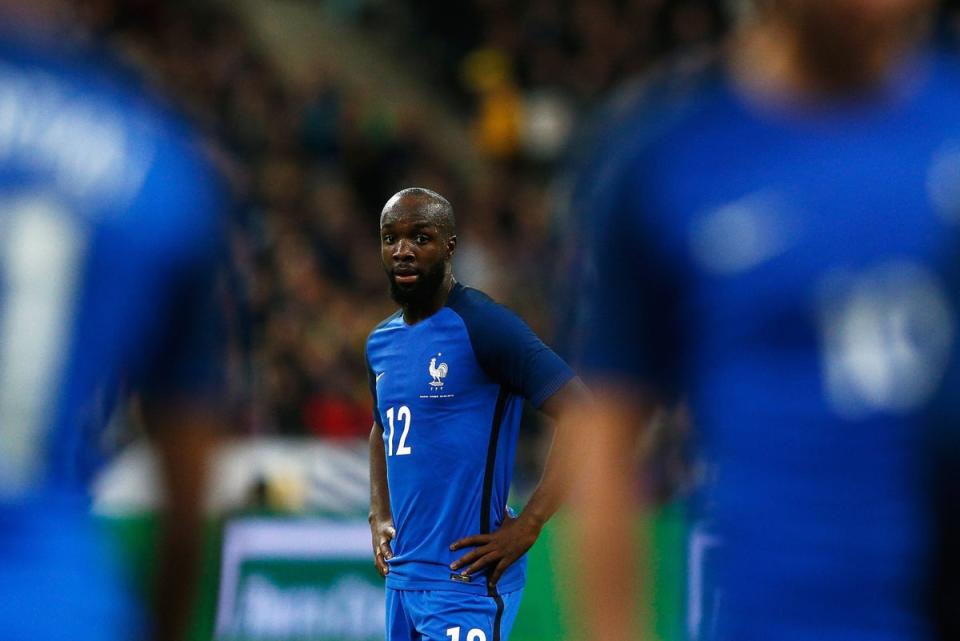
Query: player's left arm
{"points": [[515, 536], [510, 353]]}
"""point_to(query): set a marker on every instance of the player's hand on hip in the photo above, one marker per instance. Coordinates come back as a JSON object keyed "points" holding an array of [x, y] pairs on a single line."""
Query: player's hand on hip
{"points": [[496, 551], [382, 531]]}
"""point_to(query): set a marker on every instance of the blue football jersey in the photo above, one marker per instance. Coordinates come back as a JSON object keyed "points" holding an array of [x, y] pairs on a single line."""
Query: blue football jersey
{"points": [[448, 392], [109, 238], [788, 274]]}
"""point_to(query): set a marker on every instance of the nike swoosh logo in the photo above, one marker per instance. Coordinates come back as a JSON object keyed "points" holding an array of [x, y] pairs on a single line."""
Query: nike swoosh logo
{"points": [[743, 234], [379, 376]]}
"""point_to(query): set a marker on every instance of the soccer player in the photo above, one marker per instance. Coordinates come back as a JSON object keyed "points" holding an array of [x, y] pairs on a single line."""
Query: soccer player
{"points": [[109, 239], [775, 242], [448, 374]]}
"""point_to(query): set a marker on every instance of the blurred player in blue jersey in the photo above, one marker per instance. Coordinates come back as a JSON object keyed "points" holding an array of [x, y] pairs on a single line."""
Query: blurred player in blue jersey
{"points": [[109, 239], [775, 243], [449, 373]]}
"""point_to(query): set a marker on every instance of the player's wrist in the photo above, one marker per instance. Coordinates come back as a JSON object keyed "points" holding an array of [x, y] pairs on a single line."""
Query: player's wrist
{"points": [[532, 520], [376, 516]]}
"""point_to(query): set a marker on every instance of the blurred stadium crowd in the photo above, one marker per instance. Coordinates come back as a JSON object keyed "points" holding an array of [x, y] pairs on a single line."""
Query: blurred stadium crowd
{"points": [[311, 164], [525, 71]]}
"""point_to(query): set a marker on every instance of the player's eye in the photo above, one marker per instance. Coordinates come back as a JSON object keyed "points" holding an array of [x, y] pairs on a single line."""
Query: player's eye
{"points": [[388, 239], [422, 239]]}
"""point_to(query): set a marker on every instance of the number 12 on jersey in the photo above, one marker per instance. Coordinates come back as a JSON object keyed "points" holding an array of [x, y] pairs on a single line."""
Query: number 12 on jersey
{"points": [[402, 414]]}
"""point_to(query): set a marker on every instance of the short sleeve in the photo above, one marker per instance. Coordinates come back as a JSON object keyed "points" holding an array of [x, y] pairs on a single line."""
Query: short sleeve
{"points": [[372, 382], [630, 322], [190, 353], [509, 351], [185, 355]]}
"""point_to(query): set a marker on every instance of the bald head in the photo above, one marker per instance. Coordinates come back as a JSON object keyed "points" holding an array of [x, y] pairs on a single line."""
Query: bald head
{"points": [[424, 203], [417, 242]]}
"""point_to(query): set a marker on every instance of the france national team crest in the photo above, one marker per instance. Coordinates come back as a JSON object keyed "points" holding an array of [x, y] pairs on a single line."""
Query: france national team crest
{"points": [[437, 371]]}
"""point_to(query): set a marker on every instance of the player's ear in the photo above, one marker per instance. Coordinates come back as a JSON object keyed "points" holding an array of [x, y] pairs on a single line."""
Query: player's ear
{"points": [[451, 244]]}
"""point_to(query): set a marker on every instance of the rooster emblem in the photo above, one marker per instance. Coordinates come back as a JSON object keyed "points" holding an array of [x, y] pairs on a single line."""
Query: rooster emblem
{"points": [[438, 372]]}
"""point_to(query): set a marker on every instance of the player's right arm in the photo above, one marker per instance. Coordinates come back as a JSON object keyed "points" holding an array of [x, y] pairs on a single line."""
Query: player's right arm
{"points": [[382, 530]]}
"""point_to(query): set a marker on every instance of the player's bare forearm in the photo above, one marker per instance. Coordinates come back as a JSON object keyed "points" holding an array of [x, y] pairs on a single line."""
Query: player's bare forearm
{"points": [[379, 493], [498, 550], [559, 471], [185, 440], [381, 520], [603, 504]]}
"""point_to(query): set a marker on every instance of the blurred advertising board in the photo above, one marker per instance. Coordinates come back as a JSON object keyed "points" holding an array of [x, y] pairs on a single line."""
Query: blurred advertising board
{"points": [[288, 553], [298, 580]]}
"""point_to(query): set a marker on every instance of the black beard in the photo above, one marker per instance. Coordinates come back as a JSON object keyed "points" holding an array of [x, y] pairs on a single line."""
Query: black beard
{"points": [[423, 291]]}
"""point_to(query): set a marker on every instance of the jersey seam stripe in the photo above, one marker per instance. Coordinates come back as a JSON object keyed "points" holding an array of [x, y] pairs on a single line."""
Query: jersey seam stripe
{"points": [[491, 461], [498, 617], [488, 482]]}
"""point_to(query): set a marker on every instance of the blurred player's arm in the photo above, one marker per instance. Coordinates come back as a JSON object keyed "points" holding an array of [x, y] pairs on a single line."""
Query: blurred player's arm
{"points": [[631, 354], [184, 437], [382, 529], [186, 404], [604, 505]]}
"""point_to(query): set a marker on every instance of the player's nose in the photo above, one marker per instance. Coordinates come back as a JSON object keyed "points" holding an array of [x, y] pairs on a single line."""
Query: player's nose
{"points": [[403, 250]]}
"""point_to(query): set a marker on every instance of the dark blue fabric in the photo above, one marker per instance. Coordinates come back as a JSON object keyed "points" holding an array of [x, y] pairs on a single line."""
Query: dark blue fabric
{"points": [[507, 349]]}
